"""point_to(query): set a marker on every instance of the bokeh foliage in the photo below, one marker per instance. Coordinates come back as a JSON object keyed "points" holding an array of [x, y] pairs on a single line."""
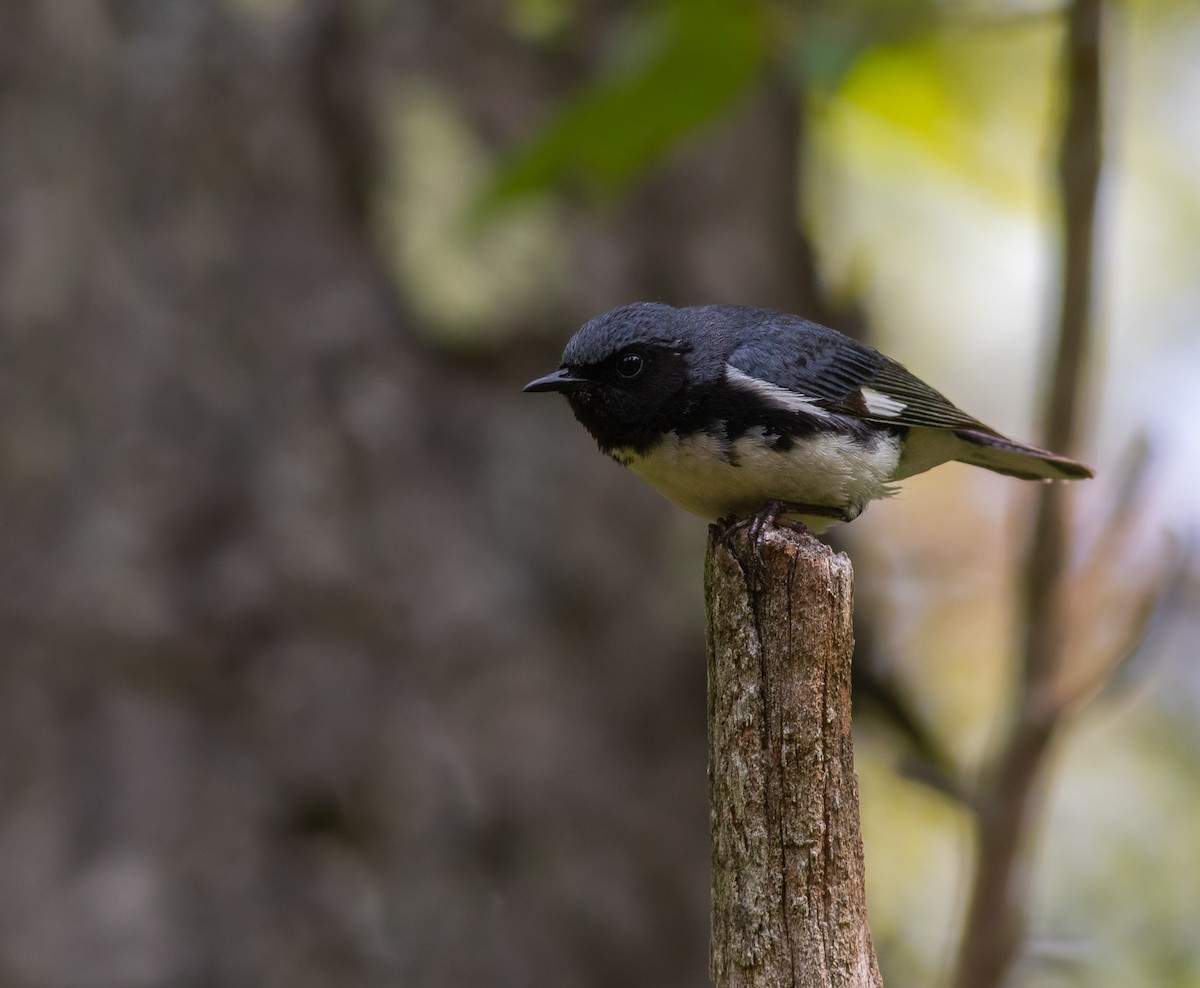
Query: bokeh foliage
{"points": [[691, 60]]}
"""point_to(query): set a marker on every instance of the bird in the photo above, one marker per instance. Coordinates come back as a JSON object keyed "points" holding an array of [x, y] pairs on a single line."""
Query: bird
{"points": [[738, 413]]}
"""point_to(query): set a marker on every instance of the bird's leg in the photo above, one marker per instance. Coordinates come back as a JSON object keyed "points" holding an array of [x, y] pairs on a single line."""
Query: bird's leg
{"points": [[768, 517], [814, 510], [764, 518], [727, 527]]}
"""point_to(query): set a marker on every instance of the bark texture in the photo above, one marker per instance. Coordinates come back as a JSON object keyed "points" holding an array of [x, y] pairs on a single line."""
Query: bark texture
{"points": [[789, 900]]}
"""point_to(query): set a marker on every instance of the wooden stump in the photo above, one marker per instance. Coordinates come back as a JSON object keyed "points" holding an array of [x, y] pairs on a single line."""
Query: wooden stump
{"points": [[788, 900]]}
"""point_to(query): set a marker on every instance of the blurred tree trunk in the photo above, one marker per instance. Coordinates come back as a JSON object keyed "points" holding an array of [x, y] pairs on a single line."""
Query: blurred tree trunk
{"points": [[995, 926], [254, 741]]}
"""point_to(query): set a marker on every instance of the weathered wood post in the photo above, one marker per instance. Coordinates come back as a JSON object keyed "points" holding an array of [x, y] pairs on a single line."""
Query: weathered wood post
{"points": [[788, 896]]}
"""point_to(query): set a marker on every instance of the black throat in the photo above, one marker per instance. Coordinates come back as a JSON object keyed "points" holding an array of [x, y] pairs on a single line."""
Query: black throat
{"points": [[593, 409]]}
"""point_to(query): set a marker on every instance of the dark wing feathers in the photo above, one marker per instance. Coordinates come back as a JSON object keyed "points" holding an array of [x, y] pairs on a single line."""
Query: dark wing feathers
{"points": [[823, 364], [1007, 456], [807, 358], [841, 375], [923, 405]]}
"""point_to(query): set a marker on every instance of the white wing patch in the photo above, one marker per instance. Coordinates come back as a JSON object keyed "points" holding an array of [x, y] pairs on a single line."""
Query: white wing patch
{"points": [[780, 397], [882, 405]]}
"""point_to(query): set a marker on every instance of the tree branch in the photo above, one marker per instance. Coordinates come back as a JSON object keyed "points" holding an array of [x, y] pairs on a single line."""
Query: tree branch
{"points": [[994, 929]]}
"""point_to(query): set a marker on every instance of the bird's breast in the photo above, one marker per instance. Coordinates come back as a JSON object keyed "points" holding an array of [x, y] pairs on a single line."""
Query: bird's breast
{"points": [[715, 476]]}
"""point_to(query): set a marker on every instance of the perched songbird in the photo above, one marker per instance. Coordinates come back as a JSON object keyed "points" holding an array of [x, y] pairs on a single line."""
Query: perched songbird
{"points": [[734, 412]]}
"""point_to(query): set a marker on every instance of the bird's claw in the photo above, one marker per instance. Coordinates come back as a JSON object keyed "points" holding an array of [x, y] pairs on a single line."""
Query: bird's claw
{"points": [[768, 517]]}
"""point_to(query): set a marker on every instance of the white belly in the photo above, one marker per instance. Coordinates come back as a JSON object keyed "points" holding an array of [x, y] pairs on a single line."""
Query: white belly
{"points": [[713, 478]]}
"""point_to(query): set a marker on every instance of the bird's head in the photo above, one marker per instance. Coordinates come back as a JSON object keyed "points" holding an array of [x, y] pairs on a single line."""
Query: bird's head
{"points": [[626, 375]]}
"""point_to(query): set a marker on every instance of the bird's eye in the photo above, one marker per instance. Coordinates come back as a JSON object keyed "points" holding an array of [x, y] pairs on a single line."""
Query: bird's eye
{"points": [[630, 365]]}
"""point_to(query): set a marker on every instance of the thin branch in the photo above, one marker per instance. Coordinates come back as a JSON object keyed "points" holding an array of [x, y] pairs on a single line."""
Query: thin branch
{"points": [[995, 924]]}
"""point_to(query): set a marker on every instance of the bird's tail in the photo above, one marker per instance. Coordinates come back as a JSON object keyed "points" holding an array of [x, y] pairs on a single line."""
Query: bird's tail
{"points": [[1004, 455]]}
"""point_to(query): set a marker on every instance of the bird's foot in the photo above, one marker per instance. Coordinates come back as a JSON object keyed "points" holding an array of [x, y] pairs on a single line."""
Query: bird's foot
{"points": [[769, 516]]}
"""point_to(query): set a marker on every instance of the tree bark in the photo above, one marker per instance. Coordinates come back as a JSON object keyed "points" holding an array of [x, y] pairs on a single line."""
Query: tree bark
{"points": [[788, 894]]}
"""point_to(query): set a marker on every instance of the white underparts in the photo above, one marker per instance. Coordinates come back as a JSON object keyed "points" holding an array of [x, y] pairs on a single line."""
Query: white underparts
{"points": [[926, 448], [713, 477]]}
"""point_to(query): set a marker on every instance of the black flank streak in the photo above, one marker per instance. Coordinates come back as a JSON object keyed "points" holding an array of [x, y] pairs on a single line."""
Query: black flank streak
{"points": [[743, 412]]}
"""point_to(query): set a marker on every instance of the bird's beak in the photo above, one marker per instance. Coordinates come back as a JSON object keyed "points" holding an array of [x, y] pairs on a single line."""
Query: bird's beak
{"points": [[561, 380]]}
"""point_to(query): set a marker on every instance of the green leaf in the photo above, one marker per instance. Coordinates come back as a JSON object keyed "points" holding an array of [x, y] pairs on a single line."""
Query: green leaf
{"points": [[704, 56]]}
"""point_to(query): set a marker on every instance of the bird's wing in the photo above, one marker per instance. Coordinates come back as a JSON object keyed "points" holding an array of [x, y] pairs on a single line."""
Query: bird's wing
{"points": [[894, 395], [821, 370], [815, 373]]}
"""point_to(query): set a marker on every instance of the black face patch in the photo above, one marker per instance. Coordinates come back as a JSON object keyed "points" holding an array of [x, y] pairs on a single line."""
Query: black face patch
{"points": [[633, 396]]}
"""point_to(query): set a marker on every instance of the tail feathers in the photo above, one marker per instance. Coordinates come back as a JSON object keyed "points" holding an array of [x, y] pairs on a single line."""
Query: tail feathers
{"points": [[1003, 455]]}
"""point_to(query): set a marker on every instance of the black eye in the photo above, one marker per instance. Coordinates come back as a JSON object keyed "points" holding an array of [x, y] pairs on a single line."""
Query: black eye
{"points": [[630, 365]]}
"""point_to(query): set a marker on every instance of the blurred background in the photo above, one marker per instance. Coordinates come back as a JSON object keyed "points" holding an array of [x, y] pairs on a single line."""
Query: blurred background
{"points": [[329, 658]]}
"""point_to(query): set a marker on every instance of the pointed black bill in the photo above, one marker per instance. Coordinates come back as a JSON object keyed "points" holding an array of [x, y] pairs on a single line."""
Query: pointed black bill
{"points": [[561, 380]]}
